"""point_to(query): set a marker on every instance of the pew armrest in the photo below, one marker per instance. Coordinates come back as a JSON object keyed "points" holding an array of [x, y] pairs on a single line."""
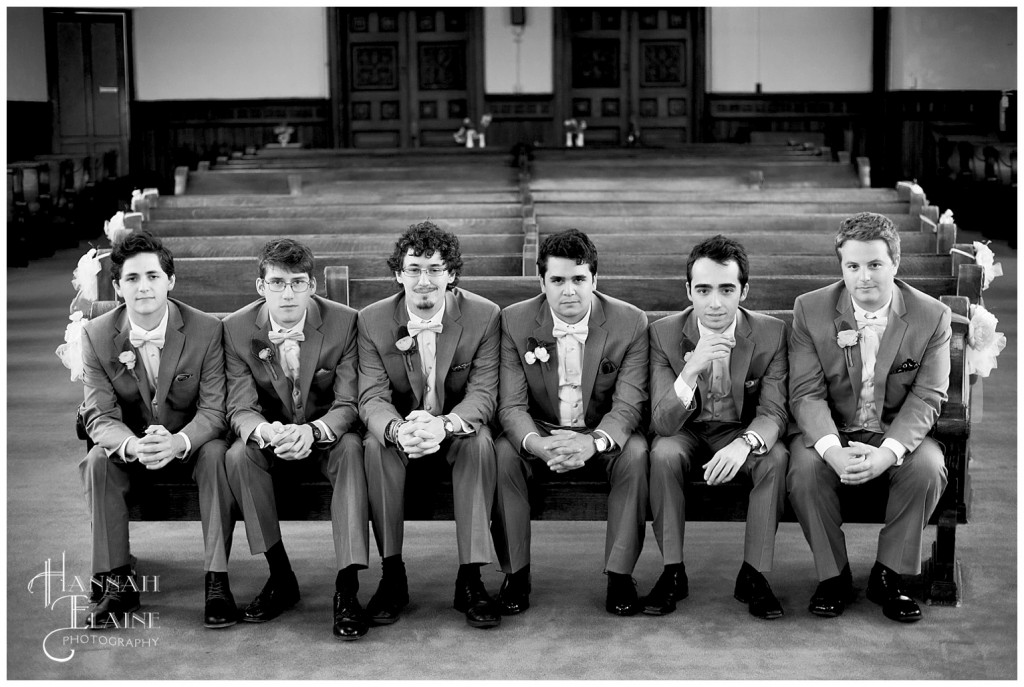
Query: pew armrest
{"points": [[336, 277]]}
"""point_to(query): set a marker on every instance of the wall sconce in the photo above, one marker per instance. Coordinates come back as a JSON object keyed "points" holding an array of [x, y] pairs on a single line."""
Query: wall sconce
{"points": [[517, 16]]}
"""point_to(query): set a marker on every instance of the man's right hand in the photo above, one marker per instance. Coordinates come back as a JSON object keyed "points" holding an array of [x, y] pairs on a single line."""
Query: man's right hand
{"points": [[269, 432], [840, 457], [419, 435], [711, 347]]}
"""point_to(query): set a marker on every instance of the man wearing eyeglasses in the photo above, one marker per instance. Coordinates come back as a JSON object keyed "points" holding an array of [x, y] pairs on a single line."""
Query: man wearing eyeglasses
{"points": [[292, 371], [428, 377]]}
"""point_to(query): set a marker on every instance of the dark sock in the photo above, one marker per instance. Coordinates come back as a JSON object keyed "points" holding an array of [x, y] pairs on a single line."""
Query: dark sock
{"points": [[674, 567], [347, 580], [122, 570], [393, 566], [523, 572], [469, 571], [277, 559]]}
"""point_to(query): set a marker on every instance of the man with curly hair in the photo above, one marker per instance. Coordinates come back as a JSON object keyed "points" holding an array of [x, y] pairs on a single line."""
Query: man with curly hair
{"points": [[428, 370], [869, 370]]}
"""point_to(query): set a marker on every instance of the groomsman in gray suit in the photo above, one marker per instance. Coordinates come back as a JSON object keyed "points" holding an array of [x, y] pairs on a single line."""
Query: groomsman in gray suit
{"points": [[291, 366], [869, 370], [428, 371], [154, 404], [573, 386], [718, 396]]}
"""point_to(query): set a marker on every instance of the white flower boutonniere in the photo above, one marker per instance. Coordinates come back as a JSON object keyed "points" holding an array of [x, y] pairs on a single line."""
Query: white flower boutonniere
{"points": [[127, 358], [847, 338], [266, 355], [536, 350]]}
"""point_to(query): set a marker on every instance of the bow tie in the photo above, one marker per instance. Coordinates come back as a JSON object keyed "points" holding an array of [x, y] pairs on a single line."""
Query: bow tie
{"points": [[879, 323], [277, 337], [416, 327], [576, 331], [139, 340]]}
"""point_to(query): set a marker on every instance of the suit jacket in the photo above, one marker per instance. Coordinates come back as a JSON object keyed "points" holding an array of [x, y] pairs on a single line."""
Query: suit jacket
{"points": [[466, 364], [911, 371], [757, 365], [614, 371], [260, 391], [189, 398]]}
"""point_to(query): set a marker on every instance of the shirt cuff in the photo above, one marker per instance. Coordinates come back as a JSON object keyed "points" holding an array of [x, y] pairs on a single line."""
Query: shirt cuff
{"points": [[327, 436], [606, 435], [460, 425], [257, 437], [825, 443], [120, 452], [528, 435], [762, 447], [683, 392], [897, 448], [188, 445]]}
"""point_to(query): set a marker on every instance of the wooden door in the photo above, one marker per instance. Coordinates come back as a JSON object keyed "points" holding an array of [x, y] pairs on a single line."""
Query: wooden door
{"points": [[88, 84], [628, 73], [407, 77]]}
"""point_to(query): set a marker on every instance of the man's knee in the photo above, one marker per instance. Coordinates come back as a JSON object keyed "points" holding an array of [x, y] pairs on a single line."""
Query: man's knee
{"points": [[927, 465], [775, 461], [95, 465], [241, 456], [668, 457], [210, 459], [347, 453], [804, 469], [634, 459]]}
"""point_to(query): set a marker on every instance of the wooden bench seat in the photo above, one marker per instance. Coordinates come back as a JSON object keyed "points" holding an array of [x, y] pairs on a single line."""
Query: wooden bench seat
{"points": [[175, 207], [221, 182], [407, 211], [615, 208], [379, 244], [548, 190], [270, 227], [820, 223]]}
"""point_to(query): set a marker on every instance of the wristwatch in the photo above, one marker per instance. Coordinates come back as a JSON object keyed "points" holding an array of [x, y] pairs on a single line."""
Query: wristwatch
{"points": [[751, 441], [601, 442], [449, 426], [317, 434]]}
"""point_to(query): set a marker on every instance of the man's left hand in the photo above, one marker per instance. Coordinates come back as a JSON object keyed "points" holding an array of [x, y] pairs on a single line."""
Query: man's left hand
{"points": [[293, 442], [572, 450], [158, 447], [724, 465], [876, 460]]}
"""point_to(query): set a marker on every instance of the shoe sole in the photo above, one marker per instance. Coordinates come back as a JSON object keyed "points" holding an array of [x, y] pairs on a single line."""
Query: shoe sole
{"points": [[249, 619], [343, 638], [910, 619], [769, 616], [218, 626], [483, 624]]}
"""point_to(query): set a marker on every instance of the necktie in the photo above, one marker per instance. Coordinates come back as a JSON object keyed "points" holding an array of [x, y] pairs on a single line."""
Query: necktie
{"points": [[289, 346], [428, 356], [140, 339], [871, 328], [576, 331]]}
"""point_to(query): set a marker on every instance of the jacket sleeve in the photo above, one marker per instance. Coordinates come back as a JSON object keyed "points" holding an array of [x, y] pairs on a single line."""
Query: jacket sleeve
{"points": [[630, 386], [513, 391], [343, 414], [243, 403], [101, 411], [808, 391], [668, 414], [375, 406], [209, 421], [771, 417], [479, 401]]}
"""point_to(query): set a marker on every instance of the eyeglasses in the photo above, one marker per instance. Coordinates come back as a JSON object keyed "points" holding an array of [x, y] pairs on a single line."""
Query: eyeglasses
{"points": [[415, 272], [277, 285]]}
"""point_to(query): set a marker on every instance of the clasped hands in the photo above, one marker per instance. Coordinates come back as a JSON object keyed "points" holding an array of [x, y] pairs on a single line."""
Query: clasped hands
{"points": [[156, 447], [421, 434], [859, 463], [290, 442], [563, 450]]}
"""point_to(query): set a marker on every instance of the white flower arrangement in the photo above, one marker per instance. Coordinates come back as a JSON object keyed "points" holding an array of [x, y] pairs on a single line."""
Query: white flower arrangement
{"points": [[115, 229], [70, 352], [984, 257], [984, 343]]}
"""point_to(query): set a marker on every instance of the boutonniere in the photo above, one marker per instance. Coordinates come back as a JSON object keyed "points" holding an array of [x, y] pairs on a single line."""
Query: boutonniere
{"points": [[687, 347], [263, 351], [847, 339], [406, 344], [127, 358], [537, 350]]}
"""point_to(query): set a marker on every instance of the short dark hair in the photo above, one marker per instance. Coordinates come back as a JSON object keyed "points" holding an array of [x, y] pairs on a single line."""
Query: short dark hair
{"points": [[721, 249], [426, 238], [869, 226], [289, 255], [571, 244], [135, 243]]}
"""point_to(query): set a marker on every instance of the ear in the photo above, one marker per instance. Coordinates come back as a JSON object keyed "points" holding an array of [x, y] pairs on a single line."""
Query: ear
{"points": [[312, 285], [688, 295], [117, 289], [170, 283], [744, 292], [398, 278], [895, 266], [541, 277], [260, 289], [595, 283]]}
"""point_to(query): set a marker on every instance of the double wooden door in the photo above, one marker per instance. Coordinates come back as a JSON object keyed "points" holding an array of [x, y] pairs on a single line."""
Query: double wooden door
{"points": [[629, 71], [405, 78]]}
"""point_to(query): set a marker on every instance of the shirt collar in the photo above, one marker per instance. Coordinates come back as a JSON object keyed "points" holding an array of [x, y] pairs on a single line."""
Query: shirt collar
{"points": [[297, 327], [160, 329], [436, 318], [585, 322], [730, 331], [861, 312]]}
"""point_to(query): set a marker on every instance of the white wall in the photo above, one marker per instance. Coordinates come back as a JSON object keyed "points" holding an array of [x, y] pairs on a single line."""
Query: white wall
{"points": [[189, 53], [953, 48], [789, 50], [26, 55], [528, 70]]}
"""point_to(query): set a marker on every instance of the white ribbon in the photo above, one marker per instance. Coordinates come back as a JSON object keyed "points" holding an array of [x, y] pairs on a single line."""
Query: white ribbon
{"points": [[984, 343], [70, 352]]}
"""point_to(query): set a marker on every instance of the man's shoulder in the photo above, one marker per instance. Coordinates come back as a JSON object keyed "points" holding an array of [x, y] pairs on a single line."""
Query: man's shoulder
{"points": [[474, 303], [762, 322], [619, 311], [245, 315], [671, 323], [385, 307], [919, 303], [105, 323], [826, 295], [523, 310], [332, 311], [192, 317]]}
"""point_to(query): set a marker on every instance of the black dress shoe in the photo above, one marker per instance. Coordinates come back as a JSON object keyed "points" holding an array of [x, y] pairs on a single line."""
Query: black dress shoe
{"points": [[754, 590], [832, 595], [220, 610], [472, 599], [97, 584], [514, 595], [884, 590], [120, 598], [276, 597], [387, 602], [671, 587], [349, 618], [621, 598]]}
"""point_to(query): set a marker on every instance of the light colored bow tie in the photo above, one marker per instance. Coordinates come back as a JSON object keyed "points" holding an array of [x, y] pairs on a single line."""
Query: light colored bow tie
{"points": [[877, 322], [577, 331], [277, 337], [416, 327], [139, 340]]}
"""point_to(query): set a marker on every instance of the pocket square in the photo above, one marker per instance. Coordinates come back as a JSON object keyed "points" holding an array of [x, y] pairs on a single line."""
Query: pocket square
{"points": [[750, 383], [182, 377], [323, 370], [906, 366], [460, 368], [607, 367]]}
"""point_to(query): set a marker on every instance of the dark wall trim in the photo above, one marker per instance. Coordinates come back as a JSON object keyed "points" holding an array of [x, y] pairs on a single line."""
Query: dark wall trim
{"points": [[169, 133], [29, 129]]}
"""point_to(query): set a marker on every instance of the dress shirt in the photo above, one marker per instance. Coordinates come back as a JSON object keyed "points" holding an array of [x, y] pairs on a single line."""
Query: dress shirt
{"points": [[428, 355]]}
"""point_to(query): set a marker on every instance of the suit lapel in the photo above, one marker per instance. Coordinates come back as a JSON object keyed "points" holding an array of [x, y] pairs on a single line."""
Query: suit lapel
{"points": [[846, 320], [739, 360], [122, 343], [895, 330], [593, 350], [549, 370], [309, 349], [411, 360], [174, 343], [277, 378], [447, 342]]}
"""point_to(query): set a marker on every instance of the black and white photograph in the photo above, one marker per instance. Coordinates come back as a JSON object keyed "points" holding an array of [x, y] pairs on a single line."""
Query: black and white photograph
{"points": [[420, 343]]}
